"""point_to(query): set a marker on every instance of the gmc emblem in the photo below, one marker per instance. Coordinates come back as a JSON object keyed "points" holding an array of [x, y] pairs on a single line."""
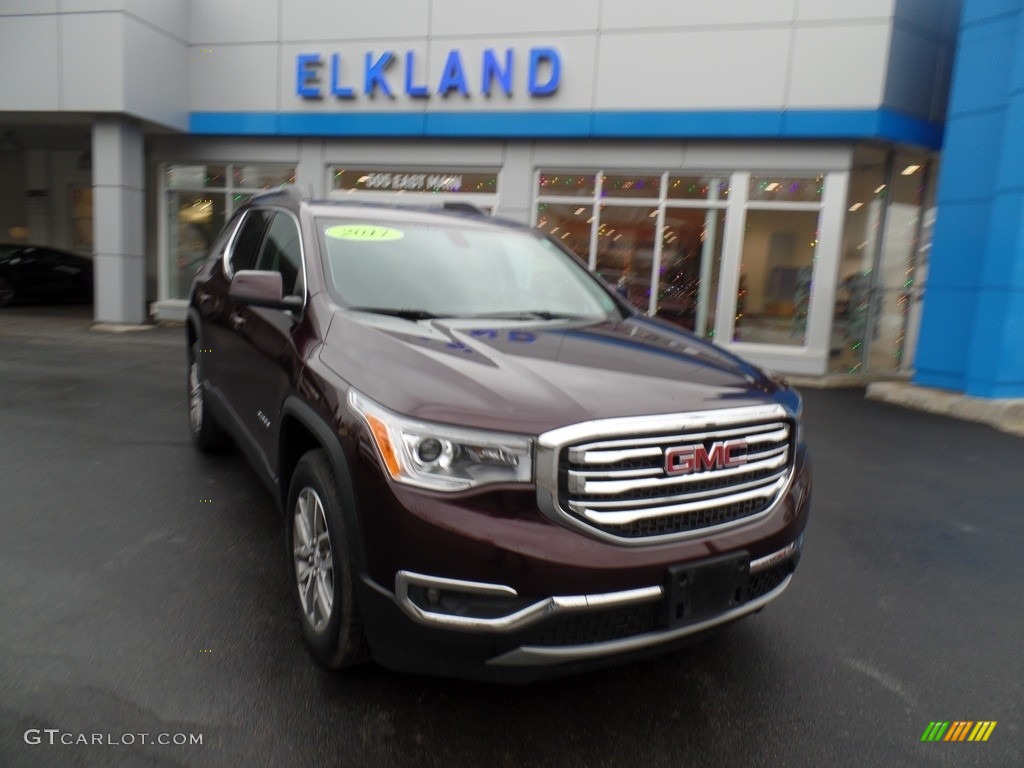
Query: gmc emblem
{"points": [[687, 459]]}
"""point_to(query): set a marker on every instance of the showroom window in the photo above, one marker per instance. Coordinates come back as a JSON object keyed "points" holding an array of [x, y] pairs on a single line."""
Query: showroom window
{"points": [[566, 184], [199, 201], [655, 237], [570, 221], [691, 260], [804, 271], [882, 265], [777, 258], [780, 239], [626, 237]]}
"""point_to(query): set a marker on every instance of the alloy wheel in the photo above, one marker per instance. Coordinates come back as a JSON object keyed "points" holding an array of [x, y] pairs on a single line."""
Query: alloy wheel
{"points": [[195, 397], [314, 564]]}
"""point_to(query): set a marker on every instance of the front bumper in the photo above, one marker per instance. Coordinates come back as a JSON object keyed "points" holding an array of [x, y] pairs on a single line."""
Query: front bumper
{"points": [[553, 636], [487, 587]]}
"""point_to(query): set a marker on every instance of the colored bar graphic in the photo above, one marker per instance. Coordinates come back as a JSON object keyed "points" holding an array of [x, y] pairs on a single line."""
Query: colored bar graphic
{"points": [[982, 730], [958, 730]]}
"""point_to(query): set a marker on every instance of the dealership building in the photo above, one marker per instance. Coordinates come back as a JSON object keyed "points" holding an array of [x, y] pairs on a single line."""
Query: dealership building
{"points": [[828, 189]]}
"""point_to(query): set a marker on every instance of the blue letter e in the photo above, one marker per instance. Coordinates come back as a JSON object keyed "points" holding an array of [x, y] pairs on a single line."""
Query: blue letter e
{"points": [[306, 75]]}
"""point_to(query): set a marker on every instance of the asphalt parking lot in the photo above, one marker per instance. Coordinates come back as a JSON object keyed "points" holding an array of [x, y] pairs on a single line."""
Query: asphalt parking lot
{"points": [[143, 590]]}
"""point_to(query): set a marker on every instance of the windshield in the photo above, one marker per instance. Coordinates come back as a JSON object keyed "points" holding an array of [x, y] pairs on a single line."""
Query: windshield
{"points": [[455, 269]]}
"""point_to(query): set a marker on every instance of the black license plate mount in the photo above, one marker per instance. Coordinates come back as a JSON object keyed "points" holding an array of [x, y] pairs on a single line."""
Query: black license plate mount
{"points": [[706, 588]]}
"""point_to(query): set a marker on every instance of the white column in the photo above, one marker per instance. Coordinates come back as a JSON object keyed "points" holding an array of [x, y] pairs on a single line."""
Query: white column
{"points": [[118, 221], [825, 279], [515, 183], [311, 170], [732, 259]]}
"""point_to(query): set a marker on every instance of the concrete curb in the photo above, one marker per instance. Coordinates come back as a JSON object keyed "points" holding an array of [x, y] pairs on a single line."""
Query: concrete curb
{"points": [[119, 328], [1005, 415]]}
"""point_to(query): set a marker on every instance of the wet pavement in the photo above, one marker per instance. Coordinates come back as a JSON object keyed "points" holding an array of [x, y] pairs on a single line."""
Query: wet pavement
{"points": [[143, 590]]}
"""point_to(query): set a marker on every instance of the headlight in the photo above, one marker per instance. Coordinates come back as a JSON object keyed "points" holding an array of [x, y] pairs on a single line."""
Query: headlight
{"points": [[440, 457]]}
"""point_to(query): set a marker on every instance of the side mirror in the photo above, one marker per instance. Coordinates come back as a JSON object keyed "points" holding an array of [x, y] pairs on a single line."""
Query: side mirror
{"points": [[259, 288]]}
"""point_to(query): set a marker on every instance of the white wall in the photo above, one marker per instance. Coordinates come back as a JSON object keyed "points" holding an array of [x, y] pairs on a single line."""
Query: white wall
{"points": [[126, 56], [160, 59], [643, 55]]}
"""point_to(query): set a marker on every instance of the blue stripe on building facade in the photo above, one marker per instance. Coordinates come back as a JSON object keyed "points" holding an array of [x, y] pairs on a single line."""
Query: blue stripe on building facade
{"points": [[880, 124]]}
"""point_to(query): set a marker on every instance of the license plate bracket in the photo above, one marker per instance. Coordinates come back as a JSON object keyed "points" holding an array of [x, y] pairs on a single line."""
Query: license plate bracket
{"points": [[706, 588]]}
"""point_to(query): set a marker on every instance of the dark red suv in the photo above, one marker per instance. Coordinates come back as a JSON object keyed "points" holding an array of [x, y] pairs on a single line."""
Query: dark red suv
{"points": [[489, 465]]}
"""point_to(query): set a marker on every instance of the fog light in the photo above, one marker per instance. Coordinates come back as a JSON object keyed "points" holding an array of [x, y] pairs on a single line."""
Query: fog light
{"points": [[442, 600]]}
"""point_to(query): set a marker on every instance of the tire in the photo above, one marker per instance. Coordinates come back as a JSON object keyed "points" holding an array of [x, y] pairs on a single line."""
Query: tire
{"points": [[321, 565], [207, 434]]}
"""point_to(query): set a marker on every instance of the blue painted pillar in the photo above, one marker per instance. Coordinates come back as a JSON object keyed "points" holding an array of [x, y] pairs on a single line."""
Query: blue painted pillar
{"points": [[972, 332]]}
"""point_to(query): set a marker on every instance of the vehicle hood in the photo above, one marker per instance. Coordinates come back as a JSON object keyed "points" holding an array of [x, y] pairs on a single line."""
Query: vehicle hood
{"points": [[529, 377]]}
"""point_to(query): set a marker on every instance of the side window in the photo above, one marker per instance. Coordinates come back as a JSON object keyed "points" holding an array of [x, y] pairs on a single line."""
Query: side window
{"points": [[282, 253], [247, 244], [221, 243]]}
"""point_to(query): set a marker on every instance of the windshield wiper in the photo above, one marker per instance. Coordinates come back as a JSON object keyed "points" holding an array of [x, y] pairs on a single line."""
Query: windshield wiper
{"points": [[405, 314], [422, 314], [530, 314]]}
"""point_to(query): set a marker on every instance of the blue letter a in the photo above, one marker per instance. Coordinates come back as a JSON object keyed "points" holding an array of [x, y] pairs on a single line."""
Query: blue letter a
{"points": [[454, 77]]}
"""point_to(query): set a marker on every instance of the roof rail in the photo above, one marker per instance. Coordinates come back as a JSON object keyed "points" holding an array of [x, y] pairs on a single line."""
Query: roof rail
{"points": [[291, 190], [453, 205]]}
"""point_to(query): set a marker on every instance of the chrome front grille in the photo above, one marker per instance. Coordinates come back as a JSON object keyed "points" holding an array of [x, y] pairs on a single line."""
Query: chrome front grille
{"points": [[668, 476]]}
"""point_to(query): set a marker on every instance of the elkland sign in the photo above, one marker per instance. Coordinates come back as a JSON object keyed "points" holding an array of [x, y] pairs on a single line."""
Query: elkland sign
{"points": [[384, 74]]}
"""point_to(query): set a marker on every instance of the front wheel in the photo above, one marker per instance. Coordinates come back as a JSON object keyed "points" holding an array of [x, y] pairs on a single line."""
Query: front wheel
{"points": [[322, 574], [207, 434]]}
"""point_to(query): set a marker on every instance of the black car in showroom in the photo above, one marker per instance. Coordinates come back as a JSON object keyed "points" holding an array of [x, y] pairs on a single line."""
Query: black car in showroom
{"points": [[40, 273]]}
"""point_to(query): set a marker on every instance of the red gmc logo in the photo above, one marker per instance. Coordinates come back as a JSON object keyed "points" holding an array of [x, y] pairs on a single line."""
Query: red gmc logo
{"points": [[687, 459]]}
